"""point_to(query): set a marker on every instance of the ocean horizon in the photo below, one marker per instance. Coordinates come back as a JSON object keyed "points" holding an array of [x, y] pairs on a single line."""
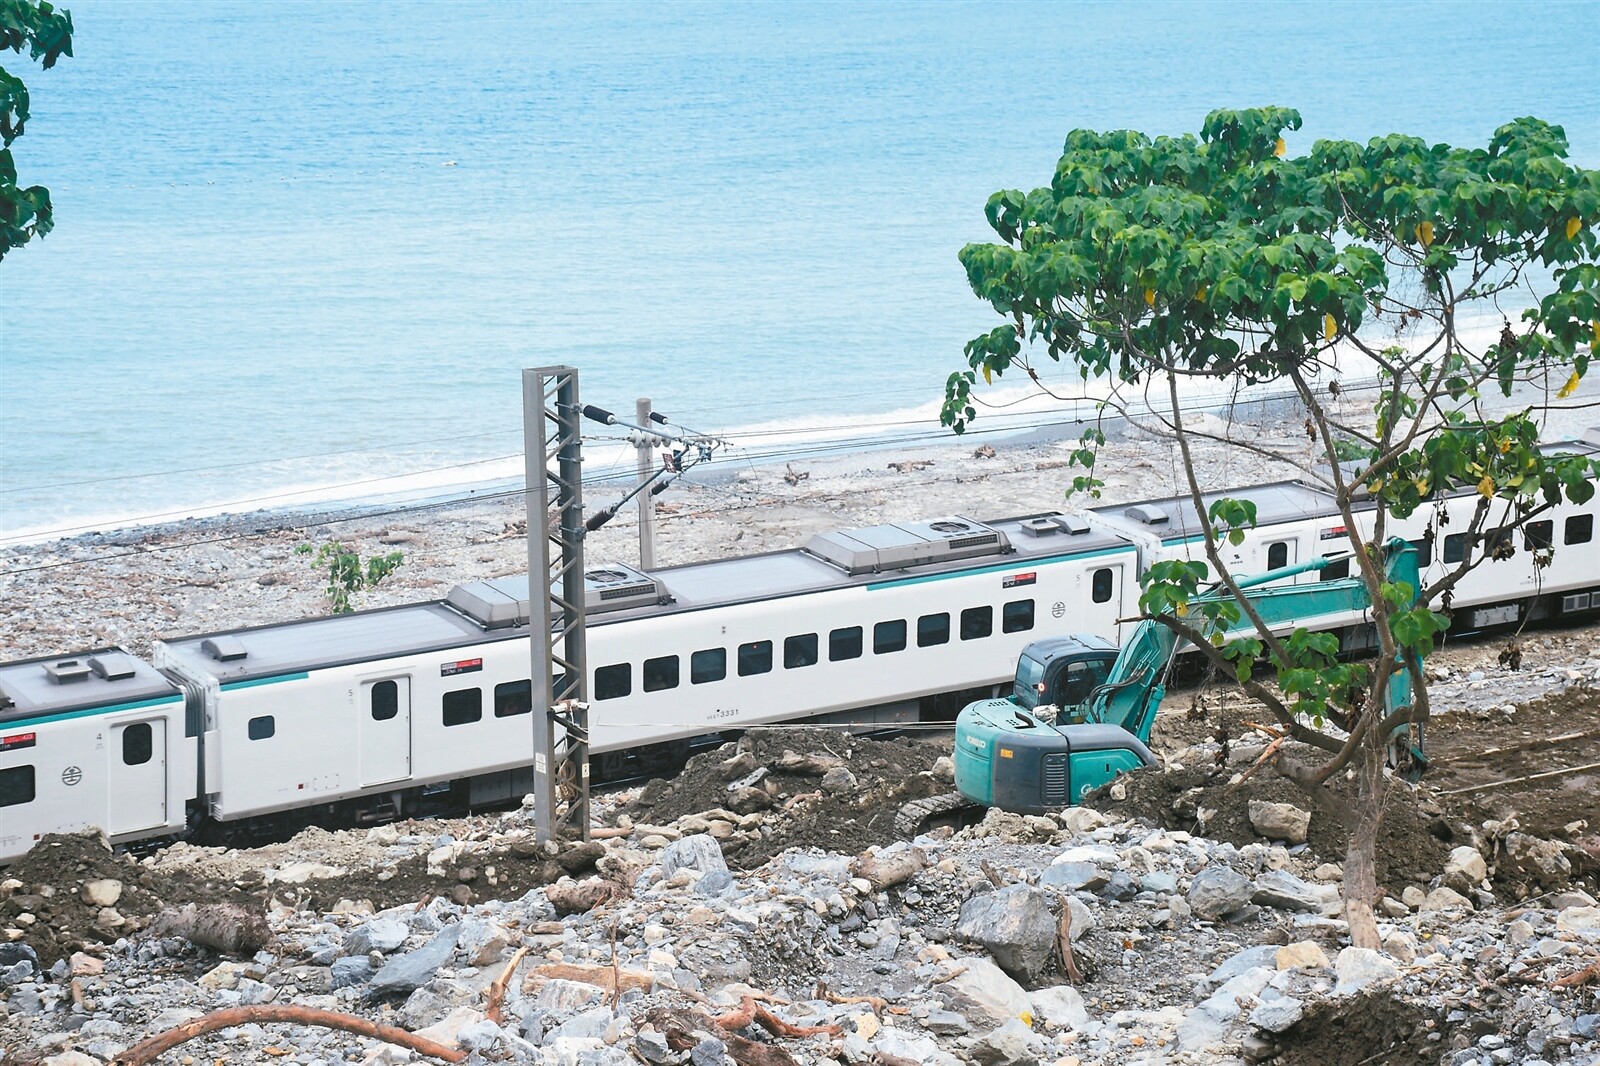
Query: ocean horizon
{"points": [[307, 257]]}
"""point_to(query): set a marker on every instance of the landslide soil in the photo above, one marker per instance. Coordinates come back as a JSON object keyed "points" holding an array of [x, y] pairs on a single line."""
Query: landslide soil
{"points": [[888, 773]]}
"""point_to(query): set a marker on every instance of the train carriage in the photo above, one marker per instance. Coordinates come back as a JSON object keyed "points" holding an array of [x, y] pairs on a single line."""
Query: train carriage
{"points": [[98, 740]]}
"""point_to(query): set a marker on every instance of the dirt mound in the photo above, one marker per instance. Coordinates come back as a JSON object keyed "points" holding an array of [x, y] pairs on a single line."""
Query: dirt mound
{"points": [[69, 911], [808, 803], [1367, 1030], [1412, 844]]}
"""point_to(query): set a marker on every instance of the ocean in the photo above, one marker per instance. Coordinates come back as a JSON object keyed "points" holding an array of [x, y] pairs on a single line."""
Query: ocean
{"points": [[303, 251]]}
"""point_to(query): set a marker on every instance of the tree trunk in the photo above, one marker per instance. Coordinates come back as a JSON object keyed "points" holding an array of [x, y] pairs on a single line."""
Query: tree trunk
{"points": [[1360, 866]]}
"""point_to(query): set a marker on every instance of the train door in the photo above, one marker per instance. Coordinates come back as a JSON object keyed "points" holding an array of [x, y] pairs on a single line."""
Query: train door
{"points": [[1106, 592], [385, 717], [1281, 553], [138, 776]]}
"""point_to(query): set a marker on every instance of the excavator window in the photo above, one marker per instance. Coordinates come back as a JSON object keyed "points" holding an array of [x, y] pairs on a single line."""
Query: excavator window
{"points": [[1079, 680]]}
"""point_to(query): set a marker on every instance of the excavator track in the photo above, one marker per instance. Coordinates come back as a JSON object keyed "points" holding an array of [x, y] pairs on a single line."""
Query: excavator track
{"points": [[951, 809]]}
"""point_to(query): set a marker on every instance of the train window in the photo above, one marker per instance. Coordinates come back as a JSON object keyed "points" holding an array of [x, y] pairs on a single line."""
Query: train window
{"points": [[661, 673], [1102, 585], [933, 629], [1580, 529], [462, 706], [889, 636], [800, 651], [262, 728], [844, 644], [1455, 547], [16, 785], [137, 744], [1539, 536], [1277, 555], [513, 698], [1016, 616], [1424, 548], [977, 622], [755, 658], [709, 665], [385, 700], [1335, 571], [613, 681]]}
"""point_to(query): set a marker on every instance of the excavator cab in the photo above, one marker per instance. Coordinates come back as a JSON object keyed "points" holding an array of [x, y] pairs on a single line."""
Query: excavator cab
{"points": [[1063, 672]]}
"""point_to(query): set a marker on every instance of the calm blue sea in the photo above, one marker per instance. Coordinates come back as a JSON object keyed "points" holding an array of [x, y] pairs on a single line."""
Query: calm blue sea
{"points": [[304, 245]]}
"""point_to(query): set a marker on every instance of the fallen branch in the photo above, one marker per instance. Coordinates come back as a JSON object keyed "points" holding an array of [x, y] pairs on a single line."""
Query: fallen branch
{"points": [[991, 873], [605, 977], [497, 991], [1261, 760], [1069, 963], [609, 833], [801, 797], [750, 1012], [1589, 973], [146, 1051], [877, 1003]]}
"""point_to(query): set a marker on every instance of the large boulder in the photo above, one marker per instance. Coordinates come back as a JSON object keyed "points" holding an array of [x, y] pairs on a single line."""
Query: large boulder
{"points": [[1280, 821], [699, 852], [1285, 891], [1359, 967], [1015, 925], [403, 973], [983, 994], [1464, 870], [1539, 861], [380, 934], [1218, 891]]}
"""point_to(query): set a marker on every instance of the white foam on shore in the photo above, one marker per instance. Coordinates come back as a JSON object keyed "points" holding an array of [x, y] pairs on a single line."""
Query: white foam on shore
{"points": [[374, 480]]}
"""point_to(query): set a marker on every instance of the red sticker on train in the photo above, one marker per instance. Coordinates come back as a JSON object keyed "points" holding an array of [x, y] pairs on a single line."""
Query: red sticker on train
{"points": [[465, 666], [1014, 580], [18, 740]]}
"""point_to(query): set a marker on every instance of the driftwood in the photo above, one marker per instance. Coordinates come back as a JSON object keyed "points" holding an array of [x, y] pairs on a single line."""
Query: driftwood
{"points": [[800, 797], [749, 1011], [606, 977], [991, 873], [576, 897], [225, 927], [147, 1050], [885, 871], [1590, 973], [877, 1003], [497, 991], [1069, 964]]}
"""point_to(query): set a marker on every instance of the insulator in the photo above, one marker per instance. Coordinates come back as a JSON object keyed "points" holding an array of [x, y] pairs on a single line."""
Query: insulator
{"points": [[600, 518], [599, 414]]}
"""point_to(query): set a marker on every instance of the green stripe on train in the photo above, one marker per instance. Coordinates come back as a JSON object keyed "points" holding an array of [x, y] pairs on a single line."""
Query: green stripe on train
{"points": [[231, 685], [1021, 565], [87, 712]]}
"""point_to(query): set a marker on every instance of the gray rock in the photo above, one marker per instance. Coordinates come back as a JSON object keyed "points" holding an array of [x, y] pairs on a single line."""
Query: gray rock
{"points": [[983, 994], [1248, 959], [838, 780], [945, 1023], [1217, 891], [1540, 861], [590, 1023], [351, 970], [1277, 1015], [1280, 821], [652, 1047], [1359, 967], [699, 852], [1282, 889], [1013, 1044], [564, 997], [403, 973], [1159, 881], [714, 883], [1015, 925], [380, 934], [1074, 876], [709, 1052], [102, 893], [1465, 869], [1445, 899], [1120, 887], [1586, 1026], [1059, 1006]]}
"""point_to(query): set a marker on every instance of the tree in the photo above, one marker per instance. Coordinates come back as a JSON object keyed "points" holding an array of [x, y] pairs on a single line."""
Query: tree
{"points": [[1154, 265], [47, 34], [346, 574]]}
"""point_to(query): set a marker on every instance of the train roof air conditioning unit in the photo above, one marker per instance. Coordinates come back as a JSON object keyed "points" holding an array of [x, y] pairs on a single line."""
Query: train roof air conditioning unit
{"points": [[503, 601], [1149, 514], [894, 547]]}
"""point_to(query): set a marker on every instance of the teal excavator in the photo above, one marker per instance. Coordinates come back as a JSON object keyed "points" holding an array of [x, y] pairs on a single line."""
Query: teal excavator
{"points": [[1080, 709]]}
